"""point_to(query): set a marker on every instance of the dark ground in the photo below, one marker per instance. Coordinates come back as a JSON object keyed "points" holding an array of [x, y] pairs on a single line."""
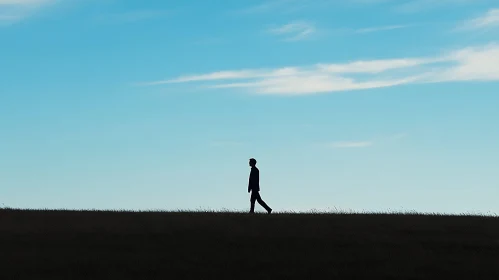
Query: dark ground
{"points": [[155, 245]]}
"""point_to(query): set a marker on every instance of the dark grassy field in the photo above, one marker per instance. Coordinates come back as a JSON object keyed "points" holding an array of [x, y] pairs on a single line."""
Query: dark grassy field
{"points": [[159, 245]]}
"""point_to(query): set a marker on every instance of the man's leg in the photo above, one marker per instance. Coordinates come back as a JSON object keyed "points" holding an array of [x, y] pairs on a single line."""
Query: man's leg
{"points": [[263, 204], [252, 202]]}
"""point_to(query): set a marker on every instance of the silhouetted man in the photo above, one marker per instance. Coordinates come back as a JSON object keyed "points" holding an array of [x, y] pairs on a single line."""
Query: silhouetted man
{"points": [[254, 187]]}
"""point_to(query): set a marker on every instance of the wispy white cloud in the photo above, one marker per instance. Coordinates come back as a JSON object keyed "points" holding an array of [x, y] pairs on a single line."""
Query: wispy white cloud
{"points": [[295, 31], [309, 84], [469, 64], [381, 28], [376, 66], [12, 11], [228, 75], [489, 19], [22, 2], [367, 143], [221, 75], [350, 144]]}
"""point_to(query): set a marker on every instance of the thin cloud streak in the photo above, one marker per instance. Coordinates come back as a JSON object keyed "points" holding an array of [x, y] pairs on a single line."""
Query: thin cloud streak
{"points": [[489, 19], [297, 85], [227, 75], [367, 143], [295, 31], [469, 64], [23, 2], [381, 28], [376, 66], [12, 11]]}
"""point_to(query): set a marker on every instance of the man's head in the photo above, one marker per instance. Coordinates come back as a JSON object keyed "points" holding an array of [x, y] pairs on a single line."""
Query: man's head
{"points": [[252, 162]]}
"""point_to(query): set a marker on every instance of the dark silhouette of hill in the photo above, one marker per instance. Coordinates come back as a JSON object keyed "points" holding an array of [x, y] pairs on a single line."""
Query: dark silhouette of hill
{"points": [[159, 245]]}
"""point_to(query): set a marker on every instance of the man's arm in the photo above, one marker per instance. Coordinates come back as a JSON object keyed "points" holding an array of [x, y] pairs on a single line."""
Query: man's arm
{"points": [[249, 181]]}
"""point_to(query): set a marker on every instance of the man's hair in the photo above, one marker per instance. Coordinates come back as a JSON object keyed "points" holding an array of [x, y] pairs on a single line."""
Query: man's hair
{"points": [[253, 161]]}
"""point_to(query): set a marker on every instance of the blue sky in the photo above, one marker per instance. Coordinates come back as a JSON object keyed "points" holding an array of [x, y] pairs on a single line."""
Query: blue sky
{"points": [[358, 104]]}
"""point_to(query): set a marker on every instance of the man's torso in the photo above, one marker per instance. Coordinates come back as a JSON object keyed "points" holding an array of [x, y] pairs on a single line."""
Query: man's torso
{"points": [[254, 180]]}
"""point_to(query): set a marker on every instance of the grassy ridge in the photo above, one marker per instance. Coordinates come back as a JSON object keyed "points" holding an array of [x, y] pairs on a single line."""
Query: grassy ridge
{"points": [[162, 245]]}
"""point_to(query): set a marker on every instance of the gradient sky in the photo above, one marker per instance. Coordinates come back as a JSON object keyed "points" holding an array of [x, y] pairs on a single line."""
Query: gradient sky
{"points": [[368, 105]]}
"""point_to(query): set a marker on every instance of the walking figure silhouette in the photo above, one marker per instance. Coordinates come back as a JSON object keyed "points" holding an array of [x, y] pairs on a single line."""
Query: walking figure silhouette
{"points": [[254, 187]]}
